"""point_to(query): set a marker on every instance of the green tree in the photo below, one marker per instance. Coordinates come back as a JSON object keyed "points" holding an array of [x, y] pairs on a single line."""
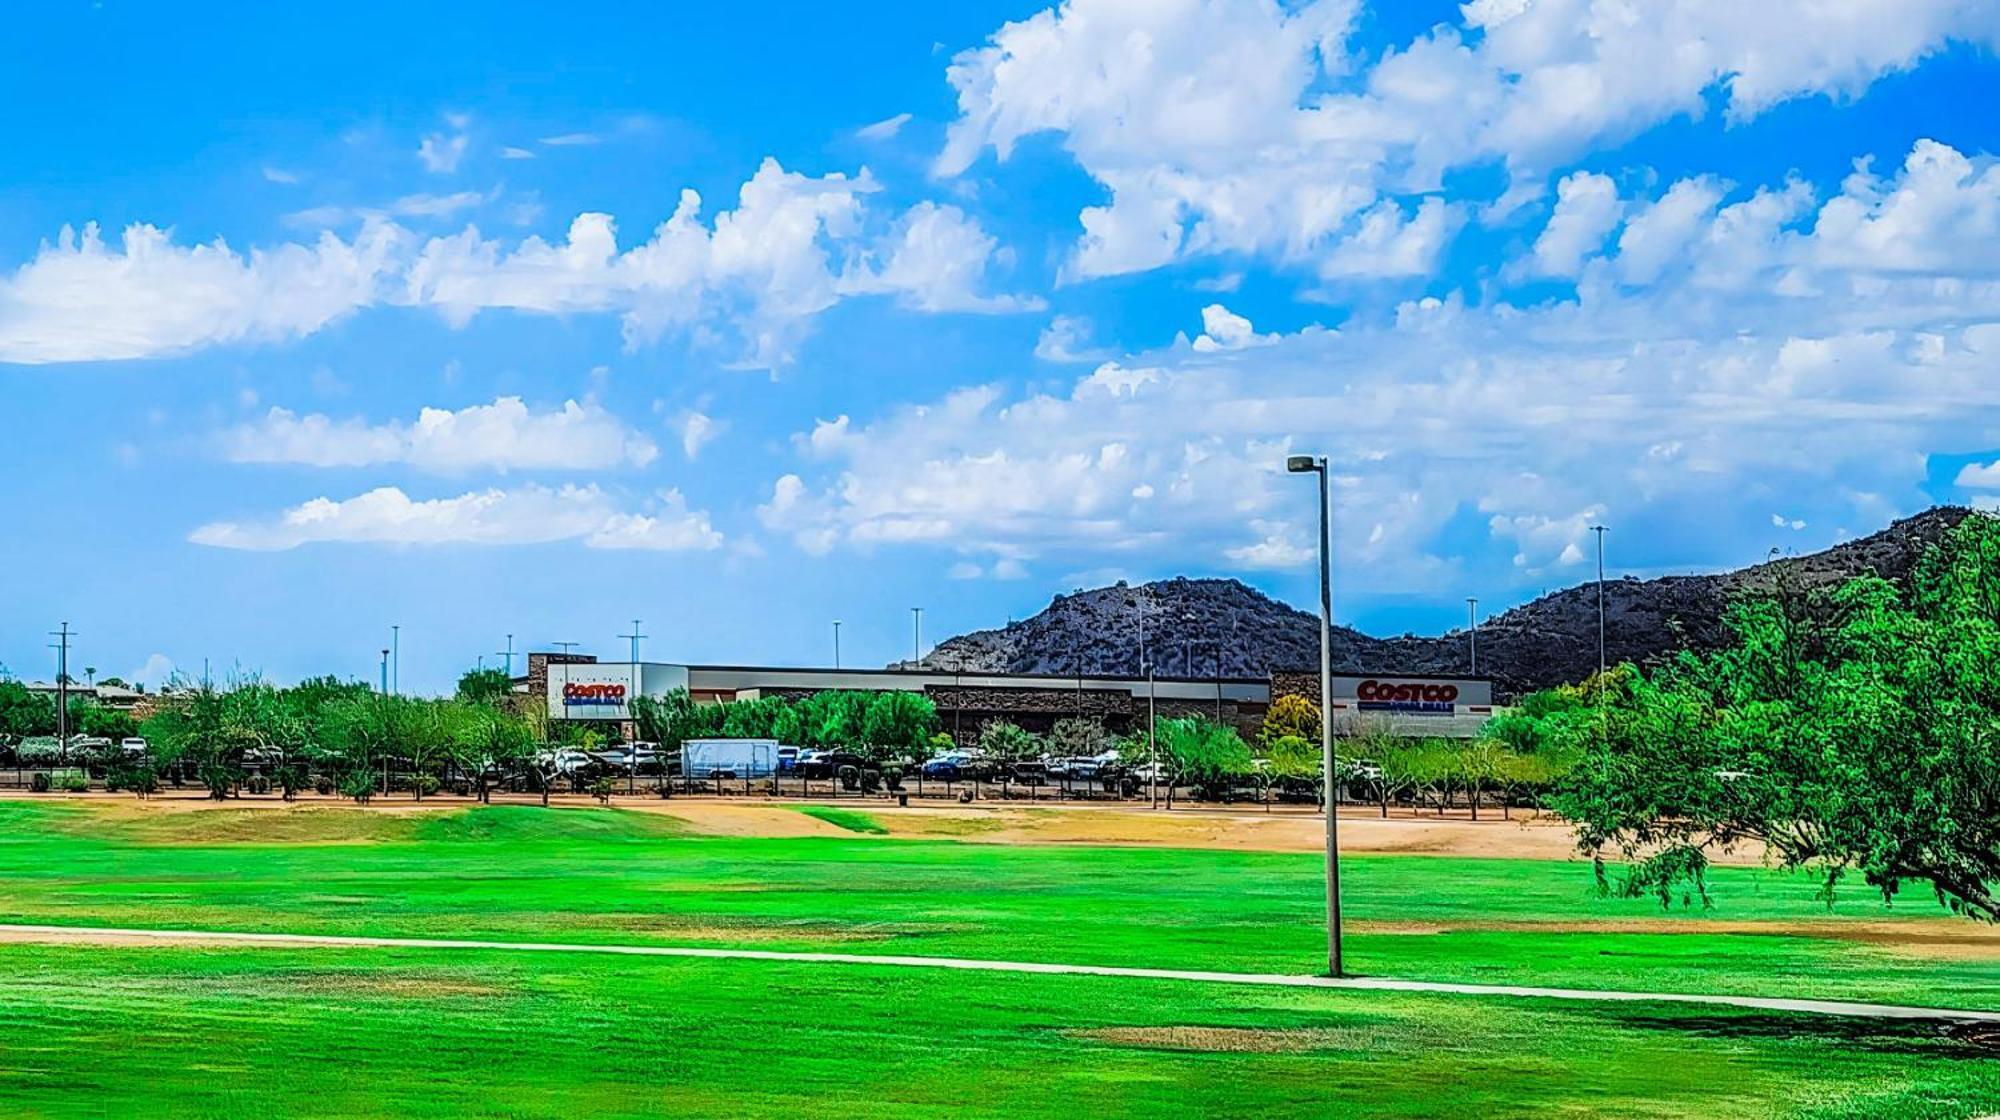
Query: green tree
{"points": [[483, 742], [1077, 737], [203, 732], [1203, 753], [898, 725], [24, 713], [485, 686], [1005, 745], [418, 730], [90, 718], [359, 734], [1854, 732]]}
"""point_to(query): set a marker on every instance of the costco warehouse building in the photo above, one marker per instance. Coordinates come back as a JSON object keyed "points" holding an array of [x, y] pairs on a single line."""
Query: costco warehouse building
{"points": [[582, 687]]}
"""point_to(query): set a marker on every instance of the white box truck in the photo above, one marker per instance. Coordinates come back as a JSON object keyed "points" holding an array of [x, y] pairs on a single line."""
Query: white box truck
{"points": [[733, 759]]}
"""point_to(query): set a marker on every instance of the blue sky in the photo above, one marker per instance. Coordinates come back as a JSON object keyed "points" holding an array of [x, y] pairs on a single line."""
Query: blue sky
{"points": [[739, 320]]}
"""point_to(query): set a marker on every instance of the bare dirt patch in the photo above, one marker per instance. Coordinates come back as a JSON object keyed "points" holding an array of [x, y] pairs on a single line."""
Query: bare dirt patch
{"points": [[115, 939], [1943, 939], [187, 817], [399, 985], [670, 926], [1227, 1040]]}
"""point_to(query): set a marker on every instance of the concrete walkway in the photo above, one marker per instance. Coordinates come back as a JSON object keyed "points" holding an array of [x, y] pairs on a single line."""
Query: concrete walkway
{"points": [[102, 935]]}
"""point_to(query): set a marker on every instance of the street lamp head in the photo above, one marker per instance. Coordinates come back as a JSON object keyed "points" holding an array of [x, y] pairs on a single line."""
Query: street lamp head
{"points": [[1301, 464]]}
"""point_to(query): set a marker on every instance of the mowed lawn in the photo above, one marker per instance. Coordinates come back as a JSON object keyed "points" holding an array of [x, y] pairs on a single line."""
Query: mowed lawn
{"points": [[609, 875], [194, 1032]]}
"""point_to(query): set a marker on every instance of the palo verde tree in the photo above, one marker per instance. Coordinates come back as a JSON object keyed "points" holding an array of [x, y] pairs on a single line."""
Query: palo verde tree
{"points": [[1202, 753], [1855, 732], [205, 730]]}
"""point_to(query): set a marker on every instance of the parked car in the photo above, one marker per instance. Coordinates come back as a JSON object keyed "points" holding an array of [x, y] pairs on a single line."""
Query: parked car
{"points": [[1031, 770], [132, 746], [788, 759], [955, 766], [643, 757], [565, 760], [820, 764]]}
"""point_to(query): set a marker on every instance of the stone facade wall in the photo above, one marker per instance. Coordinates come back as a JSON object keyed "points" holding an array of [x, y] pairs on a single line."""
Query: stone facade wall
{"points": [[1296, 682], [538, 671]]}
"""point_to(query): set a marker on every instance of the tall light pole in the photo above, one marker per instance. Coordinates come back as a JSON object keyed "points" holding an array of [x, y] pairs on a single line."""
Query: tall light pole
{"points": [[1472, 634], [1152, 743], [917, 636], [1600, 531], [1308, 464], [395, 660], [565, 647], [385, 670], [508, 653], [632, 748], [836, 643]]}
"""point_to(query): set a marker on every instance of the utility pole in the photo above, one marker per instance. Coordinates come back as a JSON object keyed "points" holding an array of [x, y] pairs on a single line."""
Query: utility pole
{"points": [[836, 643], [917, 636], [395, 660], [508, 653], [61, 647], [1472, 634], [385, 670]]}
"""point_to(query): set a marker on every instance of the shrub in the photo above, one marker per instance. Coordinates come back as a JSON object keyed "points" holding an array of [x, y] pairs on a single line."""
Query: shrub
{"points": [[71, 781], [290, 778], [257, 784], [39, 783], [358, 784], [601, 789], [40, 750]]}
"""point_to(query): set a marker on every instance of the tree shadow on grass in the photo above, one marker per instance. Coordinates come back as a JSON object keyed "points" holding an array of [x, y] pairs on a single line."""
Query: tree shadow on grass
{"points": [[1937, 1038]]}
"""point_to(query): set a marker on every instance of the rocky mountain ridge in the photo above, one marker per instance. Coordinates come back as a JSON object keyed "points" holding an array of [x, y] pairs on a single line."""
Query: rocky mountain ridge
{"points": [[1209, 627]]}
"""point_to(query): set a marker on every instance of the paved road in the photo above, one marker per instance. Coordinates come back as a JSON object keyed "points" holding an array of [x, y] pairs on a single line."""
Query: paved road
{"points": [[123, 936]]}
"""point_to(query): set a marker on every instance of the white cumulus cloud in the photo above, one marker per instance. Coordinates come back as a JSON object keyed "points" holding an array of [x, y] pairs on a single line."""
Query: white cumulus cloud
{"points": [[504, 435], [528, 515], [81, 299], [1247, 126]]}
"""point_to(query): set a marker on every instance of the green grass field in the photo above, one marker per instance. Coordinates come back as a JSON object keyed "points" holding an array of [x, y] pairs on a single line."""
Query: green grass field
{"points": [[98, 1031]]}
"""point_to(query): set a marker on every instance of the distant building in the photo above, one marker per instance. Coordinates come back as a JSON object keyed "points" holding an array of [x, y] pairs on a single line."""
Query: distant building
{"points": [[138, 702], [581, 687]]}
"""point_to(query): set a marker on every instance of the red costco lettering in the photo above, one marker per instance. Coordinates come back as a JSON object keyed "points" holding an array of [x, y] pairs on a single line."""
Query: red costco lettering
{"points": [[1406, 692], [575, 693]]}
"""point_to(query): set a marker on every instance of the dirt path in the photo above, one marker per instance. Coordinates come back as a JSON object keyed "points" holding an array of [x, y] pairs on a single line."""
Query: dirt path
{"points": [[1289, 829], [92, 935]]}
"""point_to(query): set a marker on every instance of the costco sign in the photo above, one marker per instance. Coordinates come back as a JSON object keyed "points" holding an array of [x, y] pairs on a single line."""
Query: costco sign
{"points": [[579, 694], [1423, 698]]}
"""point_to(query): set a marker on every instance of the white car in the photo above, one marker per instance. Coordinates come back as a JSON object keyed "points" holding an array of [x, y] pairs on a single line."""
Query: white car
{"points": [[132, 747], [565, 761]]}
